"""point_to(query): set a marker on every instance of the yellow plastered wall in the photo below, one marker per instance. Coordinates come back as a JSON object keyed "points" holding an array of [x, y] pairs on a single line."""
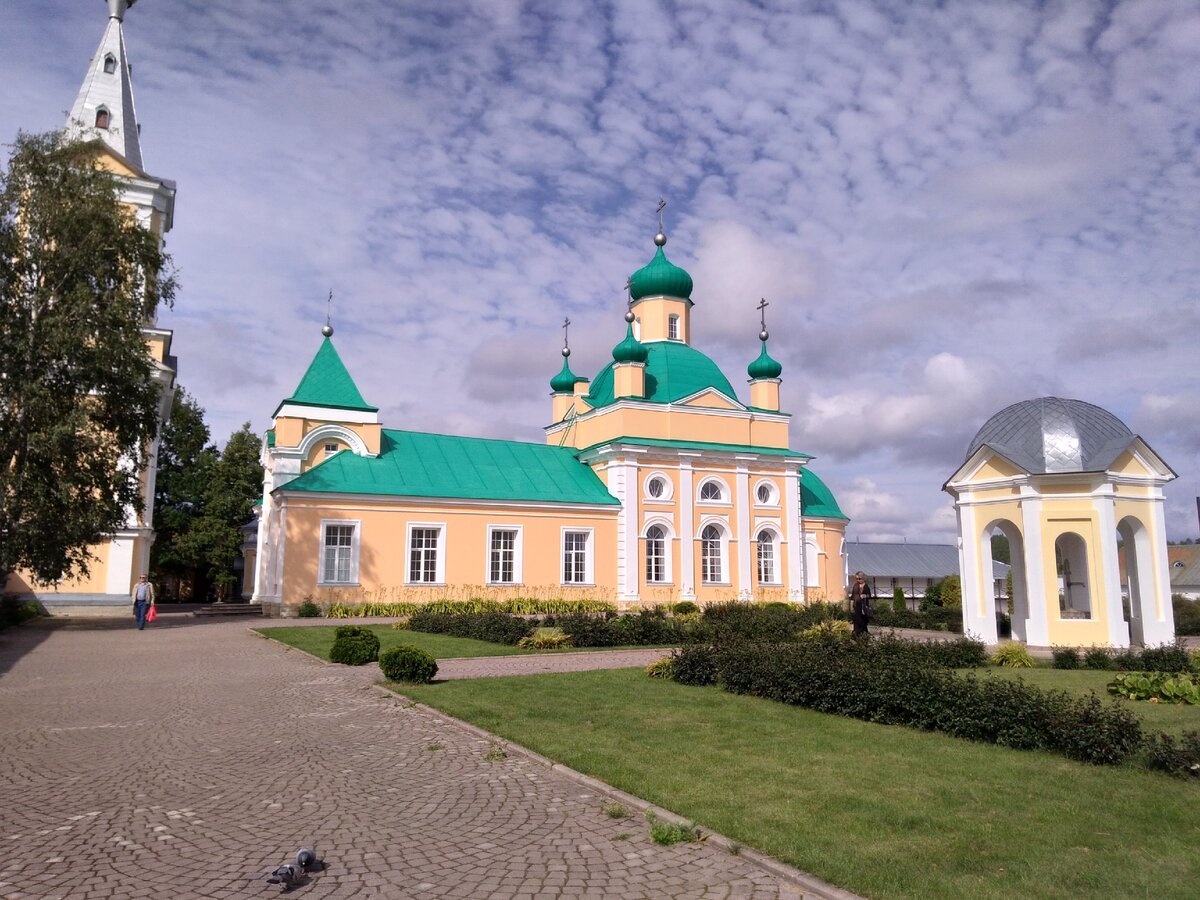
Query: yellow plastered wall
{"points": [[629, 380], [251, 557], [654, 318], [290, 431], [383, 548], [158, 346], [677, 424], [1059, 518], [95, 582], [764, 394], [831, 569]]}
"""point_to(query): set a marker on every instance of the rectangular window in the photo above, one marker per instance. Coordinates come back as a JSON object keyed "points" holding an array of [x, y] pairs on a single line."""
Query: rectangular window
{"points": [[330, 450], [575, 557], [656, 555], [766, 561], [710, 556], [502, 556], [673, 328], [337, 563], [423, 555]]}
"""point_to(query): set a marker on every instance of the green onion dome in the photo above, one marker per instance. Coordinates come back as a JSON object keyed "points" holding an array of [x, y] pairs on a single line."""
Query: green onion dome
{"points": [[564, 381], [630, 350], [660, 277], [764, 366]]}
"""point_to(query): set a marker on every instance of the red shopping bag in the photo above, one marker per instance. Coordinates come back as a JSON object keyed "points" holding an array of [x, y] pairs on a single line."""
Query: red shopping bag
{"points": [[152, 614]]}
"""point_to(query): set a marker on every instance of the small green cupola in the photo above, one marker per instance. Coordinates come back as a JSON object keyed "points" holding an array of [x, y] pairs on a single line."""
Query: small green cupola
{"points": [[660, 277], [764, 366], [630, 350], [564, 381]]}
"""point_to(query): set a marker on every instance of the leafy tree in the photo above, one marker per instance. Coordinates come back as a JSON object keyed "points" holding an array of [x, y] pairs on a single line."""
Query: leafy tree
{"points": [[1000, 549], [933, 597], [950, 594], [79, 278], [185, 462], [236, 483]]}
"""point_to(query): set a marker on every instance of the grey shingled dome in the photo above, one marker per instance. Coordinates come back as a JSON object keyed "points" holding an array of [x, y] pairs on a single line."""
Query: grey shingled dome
{"points": [[1051, 434]]}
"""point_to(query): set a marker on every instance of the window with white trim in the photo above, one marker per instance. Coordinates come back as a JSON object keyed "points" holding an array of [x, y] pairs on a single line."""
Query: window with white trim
{"points": [[656, 554], [337, 554], [110, 64], [657, 488], [502, 556], [577, 546], [767, 573], [330, 449], [673, 328], [711, 553], [712, 490], [766, 494], [102, 118], [423, 555]]}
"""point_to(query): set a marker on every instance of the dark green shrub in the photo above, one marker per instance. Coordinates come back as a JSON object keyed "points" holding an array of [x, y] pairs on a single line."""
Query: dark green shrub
{"points": [[963, 653], [354, 645], [1179, 758], [1127, 660], [587, 631], [308, 609], [1065, 657], [1166, 658], [409, 664], [899, 603], [684, 607], [15, 611], [1187, 615], [493, 627], [694, 665], [1097, 658]]}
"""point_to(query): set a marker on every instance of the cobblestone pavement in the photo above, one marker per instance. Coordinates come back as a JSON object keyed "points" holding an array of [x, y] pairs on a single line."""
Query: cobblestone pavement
{"points": [[189, 760]]}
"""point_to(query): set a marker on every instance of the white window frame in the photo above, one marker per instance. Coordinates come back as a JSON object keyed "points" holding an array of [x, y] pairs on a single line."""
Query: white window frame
{"points": [[773, 497], [723, 500], [668, 539], [355, 540], [589, 550], [518, 554], [775, 544], [439, 560], [331, 449], [668, 493], [672, 327], [723, 552]]}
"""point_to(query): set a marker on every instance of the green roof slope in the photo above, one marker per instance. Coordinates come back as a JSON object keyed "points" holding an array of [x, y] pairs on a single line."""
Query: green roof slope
{"points": [[327, 383], [673, 371], [816, 499], [419, 464]]}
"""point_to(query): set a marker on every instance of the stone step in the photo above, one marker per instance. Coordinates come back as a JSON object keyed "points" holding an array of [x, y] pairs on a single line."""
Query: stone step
{"points": [[230, 609]]}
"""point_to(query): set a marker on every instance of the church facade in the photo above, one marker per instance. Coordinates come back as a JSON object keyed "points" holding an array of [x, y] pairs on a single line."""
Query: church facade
{"points": [[655, 484], [104, 118]]}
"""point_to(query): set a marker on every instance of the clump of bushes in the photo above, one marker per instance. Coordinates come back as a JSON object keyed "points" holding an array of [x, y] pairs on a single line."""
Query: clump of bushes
{"points": [[15, 611], [1097, 658], [308, 609], [685, 607], [409, 664], [1187, 614], [661, 668], [1167, 658], [1065, 657], [495, 627], [545, 639], [522, 606], [896, 682], [1012, 656], [1180, 758], [648, 627], [354, 645]]}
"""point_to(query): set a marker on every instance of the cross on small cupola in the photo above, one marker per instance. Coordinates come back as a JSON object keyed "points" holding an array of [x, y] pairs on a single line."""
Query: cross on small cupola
{"points": [[762, 309], [328, 329], [566, 350], [661, 238], [764, 369]]}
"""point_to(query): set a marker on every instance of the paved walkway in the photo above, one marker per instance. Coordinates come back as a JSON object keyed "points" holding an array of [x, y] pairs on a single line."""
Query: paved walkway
{"points": [[191, 759]]}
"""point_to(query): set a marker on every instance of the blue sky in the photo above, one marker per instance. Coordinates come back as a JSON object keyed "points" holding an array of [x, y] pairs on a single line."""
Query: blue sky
{"points": [[950, 207]]}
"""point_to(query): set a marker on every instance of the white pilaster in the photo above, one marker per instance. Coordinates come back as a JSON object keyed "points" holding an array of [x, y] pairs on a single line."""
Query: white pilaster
{"points": [[622, 484], [797, 577], [978, 603], [1110, 573], [687, 531], [1161, 628], [119, 573], [745, 540]]}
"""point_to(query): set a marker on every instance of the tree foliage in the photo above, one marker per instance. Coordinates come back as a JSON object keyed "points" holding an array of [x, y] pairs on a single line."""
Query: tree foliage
{"points": [[79, 278]]}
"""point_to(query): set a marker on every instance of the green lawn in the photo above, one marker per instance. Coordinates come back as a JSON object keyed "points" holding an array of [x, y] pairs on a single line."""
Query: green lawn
{"points": [[884, 811], [317, 641]]}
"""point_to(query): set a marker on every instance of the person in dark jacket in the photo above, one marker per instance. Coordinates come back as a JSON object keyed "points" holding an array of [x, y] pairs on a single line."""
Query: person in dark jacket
{"points": [[860, 602]]}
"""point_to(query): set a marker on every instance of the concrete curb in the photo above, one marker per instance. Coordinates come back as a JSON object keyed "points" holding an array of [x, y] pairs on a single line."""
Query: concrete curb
{"points": [[809, 884]]}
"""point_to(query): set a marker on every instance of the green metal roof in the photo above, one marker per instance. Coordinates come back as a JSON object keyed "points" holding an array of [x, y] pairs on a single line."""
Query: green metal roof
{"points": [[630, 349], [673, 371], [327, 383], [702, 445], [564, 381], [816, 499], [418, 464], [764, 366], [660, 277]]}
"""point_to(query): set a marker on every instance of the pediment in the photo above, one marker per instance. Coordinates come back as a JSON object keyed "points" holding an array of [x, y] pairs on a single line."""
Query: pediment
{"points": [[711, 399]]}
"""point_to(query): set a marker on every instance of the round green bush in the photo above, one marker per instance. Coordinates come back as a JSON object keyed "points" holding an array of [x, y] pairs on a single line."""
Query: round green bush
{"points": [[1012, 656], [409, 664], [1065, 657], [354, 645], [1097, 658], [308, 609], [683, 607]]}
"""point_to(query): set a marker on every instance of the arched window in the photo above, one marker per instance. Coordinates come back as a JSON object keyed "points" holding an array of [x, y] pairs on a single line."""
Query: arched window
{"points": [[711, 552], [1074, 591], [656, 554], [102, 118], [110, 64], [711, 490], [767, 571]]}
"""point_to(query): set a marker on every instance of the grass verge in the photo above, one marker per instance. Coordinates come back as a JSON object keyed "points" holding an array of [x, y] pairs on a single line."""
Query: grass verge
{"points": [[884, 811]]}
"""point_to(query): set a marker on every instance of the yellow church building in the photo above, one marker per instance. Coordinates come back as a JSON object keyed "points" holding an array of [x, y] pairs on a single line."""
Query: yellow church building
{"points": [[655, 484], [103, 116]]}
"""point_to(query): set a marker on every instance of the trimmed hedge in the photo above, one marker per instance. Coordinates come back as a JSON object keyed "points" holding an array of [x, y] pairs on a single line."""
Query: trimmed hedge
{"points": [[354, 645], [526, 606], [1180, 758], [495, 627], [1187, 614], [411, 664], [896, 682]]}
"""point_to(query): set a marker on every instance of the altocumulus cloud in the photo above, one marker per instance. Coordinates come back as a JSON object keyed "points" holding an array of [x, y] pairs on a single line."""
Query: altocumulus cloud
{"points": [[949, 208]]}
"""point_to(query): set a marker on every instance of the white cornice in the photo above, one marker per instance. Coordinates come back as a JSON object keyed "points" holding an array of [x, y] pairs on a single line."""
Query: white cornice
{"points": [[327, 414], [314, 500]]}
